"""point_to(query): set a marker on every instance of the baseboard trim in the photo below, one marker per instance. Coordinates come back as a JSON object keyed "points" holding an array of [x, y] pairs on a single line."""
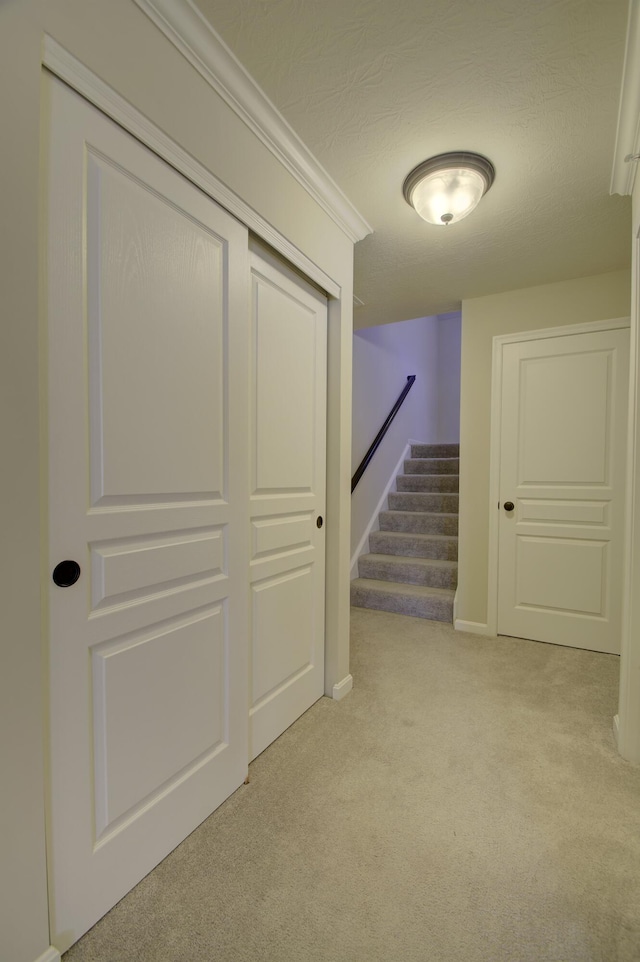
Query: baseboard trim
{"points": [[51, 955], [471, 627], [616, 731], [342, 688], [363, 546]]}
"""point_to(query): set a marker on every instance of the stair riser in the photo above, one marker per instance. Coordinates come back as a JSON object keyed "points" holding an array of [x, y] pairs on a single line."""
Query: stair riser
{"points": [[412, 565], [432, 466], [428, 482], [380, 542], [409, 574], [435, 609], [414, 522], [408, 501], [435, 450]]}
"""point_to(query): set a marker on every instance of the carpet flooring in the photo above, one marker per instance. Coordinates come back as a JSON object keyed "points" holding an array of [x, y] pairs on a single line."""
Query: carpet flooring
{"points": [[465, 803]]}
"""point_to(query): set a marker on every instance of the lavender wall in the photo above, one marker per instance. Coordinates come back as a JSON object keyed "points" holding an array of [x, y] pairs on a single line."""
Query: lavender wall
{"points": [[383, 357]]}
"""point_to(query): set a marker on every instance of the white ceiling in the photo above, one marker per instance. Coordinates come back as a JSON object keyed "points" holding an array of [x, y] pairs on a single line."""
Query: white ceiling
{"points": [[373, 87]]}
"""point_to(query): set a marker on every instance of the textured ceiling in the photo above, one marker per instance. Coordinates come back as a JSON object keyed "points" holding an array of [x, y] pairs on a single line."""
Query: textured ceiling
{"points": [[373, 87]]}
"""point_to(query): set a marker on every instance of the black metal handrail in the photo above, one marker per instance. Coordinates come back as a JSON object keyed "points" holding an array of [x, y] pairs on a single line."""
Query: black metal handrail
{"points": [[375, 444]]}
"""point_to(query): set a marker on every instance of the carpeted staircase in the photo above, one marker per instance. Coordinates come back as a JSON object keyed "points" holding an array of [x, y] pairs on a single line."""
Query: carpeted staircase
{"points": [[412, 568]]}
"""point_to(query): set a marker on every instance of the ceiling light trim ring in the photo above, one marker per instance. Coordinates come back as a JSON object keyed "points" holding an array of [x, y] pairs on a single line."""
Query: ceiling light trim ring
{"points": [[460, 158]]}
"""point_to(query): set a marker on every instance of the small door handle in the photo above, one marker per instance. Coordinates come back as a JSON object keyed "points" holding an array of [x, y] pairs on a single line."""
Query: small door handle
{"points": [[319, 521], [508, 506], [66, 573]]}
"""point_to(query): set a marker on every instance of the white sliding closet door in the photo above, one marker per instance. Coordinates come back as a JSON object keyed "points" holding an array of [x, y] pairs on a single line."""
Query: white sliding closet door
{"points": [[148, 387], [288, 464]]}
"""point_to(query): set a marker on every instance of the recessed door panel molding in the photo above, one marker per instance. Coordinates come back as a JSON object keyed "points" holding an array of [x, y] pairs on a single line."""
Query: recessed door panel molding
{"points": [[148, 345], [160, 707], [278, 564], [127, 570], [283, 607], [565, 418], [270, 535], [269, 504], [564, 574], [288, 445], [562, 444], [155, 304], [563, 511], [285, 389]]}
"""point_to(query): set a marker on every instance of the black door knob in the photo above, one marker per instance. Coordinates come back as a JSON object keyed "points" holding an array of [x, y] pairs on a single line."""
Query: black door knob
{"points": [[509, 506], [319, 521], [66, 574]]}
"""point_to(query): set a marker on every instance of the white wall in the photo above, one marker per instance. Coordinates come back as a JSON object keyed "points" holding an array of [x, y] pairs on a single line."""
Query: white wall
{"points": [[119, 43], [383, 357], [24, 932], [593, 298]]}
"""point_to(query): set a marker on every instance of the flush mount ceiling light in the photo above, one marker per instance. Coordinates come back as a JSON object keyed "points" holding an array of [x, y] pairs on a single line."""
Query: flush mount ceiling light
{"points": [[446, 188]]}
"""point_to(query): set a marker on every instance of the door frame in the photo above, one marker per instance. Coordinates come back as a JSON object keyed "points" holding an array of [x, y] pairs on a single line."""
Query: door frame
{"points": [[626, 723], [499, 343]]}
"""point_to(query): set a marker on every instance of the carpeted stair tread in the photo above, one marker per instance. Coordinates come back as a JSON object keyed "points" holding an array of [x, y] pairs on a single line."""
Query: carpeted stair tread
{"points": [[445, 483], [435, 450], [411, 544], [412, 567], [423, 501], [419, 522], [432, 466], [435, 604], [435, 573]]}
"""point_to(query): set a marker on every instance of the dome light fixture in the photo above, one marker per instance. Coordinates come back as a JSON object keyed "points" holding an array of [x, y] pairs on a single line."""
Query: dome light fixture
{"points": [[446, 188]]}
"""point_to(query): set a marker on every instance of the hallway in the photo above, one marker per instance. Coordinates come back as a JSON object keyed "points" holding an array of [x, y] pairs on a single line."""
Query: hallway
{"points": [[464, 804]]}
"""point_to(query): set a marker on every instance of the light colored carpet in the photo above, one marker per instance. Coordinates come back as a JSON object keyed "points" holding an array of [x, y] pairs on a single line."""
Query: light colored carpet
{"points": [[464, 804]]}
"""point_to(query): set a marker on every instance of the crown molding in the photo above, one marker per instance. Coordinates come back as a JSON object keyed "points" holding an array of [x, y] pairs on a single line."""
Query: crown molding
{"points": [[74, 73], [187, 29], [628, 132]]}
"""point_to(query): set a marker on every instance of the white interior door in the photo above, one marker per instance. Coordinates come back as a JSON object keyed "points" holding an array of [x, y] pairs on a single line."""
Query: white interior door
{"points": [[288, 458], [148, 386], [562, 460]]}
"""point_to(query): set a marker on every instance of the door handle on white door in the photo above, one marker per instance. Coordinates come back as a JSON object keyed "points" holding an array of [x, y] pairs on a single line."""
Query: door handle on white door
{"points": [[66, 573], [508, 506]]}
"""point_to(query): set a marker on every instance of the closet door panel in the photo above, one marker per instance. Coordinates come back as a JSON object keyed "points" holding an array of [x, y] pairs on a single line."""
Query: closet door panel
{"points": [[287, 504], [148, 494]]}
